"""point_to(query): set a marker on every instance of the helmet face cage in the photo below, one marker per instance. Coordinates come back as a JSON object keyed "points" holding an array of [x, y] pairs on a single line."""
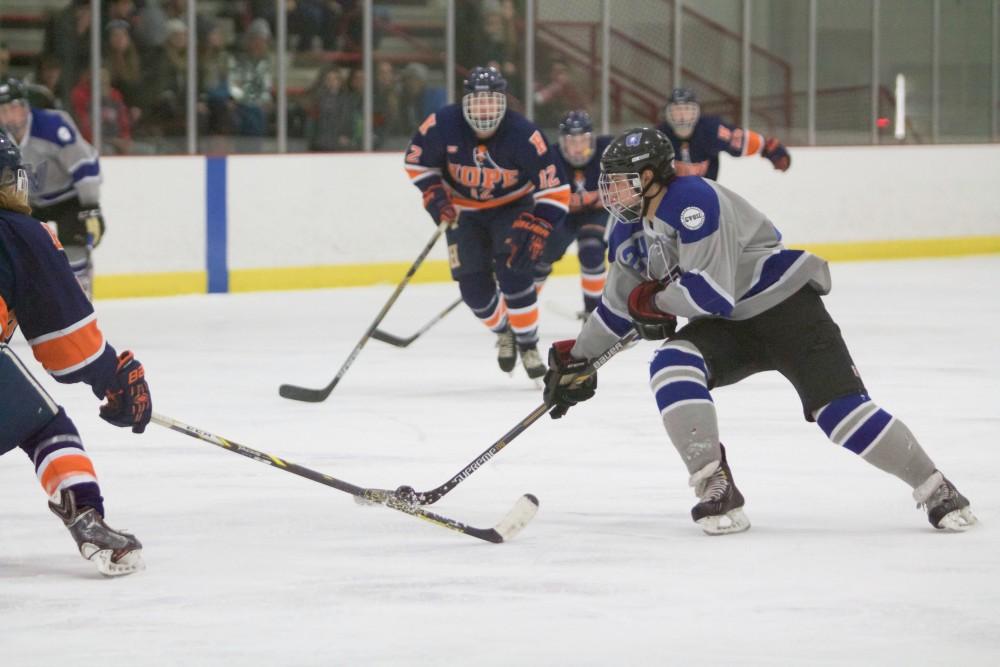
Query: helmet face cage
{"points": [[682, 116], [577, 148], [621, 195], [484, 110]]}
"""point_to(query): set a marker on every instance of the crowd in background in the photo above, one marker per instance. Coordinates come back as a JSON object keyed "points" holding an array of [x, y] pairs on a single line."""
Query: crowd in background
{"points": [[144, 72]]}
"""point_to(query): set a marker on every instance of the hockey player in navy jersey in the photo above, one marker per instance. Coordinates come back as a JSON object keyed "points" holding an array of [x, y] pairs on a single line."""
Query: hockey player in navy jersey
{"points": [[490, 172], [698, 139], [65, 175], [579, 158], [39, 292], [688, 247]]}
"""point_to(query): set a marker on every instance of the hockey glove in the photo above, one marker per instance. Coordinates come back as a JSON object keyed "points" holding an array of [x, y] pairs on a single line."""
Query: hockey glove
{"points": [[564, 387], [93, 222], [438, 204], [527, 240], [128, 403], [651, 322], [777, 154], [583, 200]]}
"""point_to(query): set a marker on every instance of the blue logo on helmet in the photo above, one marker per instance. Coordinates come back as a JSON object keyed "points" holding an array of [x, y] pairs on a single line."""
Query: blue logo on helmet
{"points": [[633, 139]]}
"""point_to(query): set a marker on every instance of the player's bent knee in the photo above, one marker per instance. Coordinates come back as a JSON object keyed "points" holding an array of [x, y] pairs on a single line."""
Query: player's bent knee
{"points": [[25, 407]]}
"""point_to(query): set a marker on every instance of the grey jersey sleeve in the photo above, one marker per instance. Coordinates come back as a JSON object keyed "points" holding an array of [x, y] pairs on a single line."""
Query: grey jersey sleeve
{"points": [[610, 320], [80, 161]]}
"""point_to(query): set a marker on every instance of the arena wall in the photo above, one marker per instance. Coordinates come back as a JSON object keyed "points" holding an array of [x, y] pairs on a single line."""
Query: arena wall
{"points": [[197, 224]]}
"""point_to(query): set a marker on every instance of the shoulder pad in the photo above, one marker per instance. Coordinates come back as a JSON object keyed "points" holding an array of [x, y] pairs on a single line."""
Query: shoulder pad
{"points": [[691, 206], [53, 126]]}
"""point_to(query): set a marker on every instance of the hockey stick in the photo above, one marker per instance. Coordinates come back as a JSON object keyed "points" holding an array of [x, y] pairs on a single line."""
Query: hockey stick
{"points": [[407, 493], [516, 519], [297, 393], [380, 335]]}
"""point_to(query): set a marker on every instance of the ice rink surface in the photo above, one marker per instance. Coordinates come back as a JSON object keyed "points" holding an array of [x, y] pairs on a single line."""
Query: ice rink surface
{"points": [[251, 566]]}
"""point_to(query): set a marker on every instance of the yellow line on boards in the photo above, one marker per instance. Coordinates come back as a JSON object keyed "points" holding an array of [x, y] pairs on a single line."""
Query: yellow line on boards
{"points": [[358, 275]]}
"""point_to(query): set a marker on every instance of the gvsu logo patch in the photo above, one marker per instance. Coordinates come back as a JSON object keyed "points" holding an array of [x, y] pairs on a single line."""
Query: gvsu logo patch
{"points": [[633, 139], [692, 217]]}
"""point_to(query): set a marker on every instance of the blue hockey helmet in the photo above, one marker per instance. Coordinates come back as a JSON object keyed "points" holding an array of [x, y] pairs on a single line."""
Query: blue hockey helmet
{"points": [[485, 101], [576, 137], [682, 111]]}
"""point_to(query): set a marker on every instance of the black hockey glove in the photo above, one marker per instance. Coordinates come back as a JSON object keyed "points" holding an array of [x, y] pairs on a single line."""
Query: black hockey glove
{"points": [[563, 386], [651, 322], [778, 155], [93, 222], [526, 241], [128, 403]]}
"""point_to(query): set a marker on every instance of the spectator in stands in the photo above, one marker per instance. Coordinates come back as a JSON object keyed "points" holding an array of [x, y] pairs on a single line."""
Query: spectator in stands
{"points": [[116, 123], [67, 37], [121, 57], [553, 98], [314, 23], [41, 84], [499, 46], [385, 104], [331, 125], [418, 99], [4, 59], [251, 76], [215, 108], [168, 82], [119, 10]]}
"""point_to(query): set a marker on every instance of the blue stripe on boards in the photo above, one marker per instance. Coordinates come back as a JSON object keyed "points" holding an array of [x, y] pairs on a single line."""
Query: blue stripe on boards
{"points": [[864, 436], [837, 410], [216, 224]]}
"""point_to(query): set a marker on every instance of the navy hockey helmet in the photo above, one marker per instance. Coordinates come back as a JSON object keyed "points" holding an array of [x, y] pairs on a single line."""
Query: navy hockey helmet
{"points": [[485, 101], [682, 111], [576, 137], [13, 174], [622, 165]]}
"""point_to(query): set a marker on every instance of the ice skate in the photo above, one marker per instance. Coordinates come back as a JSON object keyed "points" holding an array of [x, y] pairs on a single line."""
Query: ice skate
{"points": [[947, 509], [532, 361], [506, 351], [114, 552], [720, 511]]}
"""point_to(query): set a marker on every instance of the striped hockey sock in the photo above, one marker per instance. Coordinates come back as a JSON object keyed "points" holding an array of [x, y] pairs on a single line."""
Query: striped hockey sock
{"points": [[61, 463]]}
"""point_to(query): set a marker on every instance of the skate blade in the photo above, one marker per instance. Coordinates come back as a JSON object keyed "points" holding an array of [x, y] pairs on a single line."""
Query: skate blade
{"points": [[958, 521], [127, 564], [733, 521]]}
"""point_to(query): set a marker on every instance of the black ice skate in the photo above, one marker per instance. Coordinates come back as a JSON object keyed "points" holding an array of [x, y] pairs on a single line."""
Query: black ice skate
{"points": [[947, 509], [506, 350], [532, 361], [114, 552], [720, 511]]}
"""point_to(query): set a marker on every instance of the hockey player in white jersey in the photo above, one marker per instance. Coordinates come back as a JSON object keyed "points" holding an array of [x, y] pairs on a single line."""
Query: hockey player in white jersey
{"points": [[685, 246], [65, 174]]}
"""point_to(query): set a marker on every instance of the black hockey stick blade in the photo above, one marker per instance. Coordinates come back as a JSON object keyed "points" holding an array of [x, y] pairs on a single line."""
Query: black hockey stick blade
{"points": [[397, 341], [512, 523], [306, 394]]}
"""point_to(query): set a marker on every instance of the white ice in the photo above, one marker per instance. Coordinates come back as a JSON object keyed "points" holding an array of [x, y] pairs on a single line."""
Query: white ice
{"points": [[248, 565]]}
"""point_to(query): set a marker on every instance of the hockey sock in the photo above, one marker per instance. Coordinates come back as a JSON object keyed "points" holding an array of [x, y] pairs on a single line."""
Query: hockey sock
{"points": [[522, 305], [858, 424], [592, 271], [61, 463], [480, 293], [542, 272], [679, 380]]}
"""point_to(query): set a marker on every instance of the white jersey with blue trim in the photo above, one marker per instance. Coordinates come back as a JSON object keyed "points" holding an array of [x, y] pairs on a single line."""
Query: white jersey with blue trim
{"points": [[723, 257], [62, 164]]}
